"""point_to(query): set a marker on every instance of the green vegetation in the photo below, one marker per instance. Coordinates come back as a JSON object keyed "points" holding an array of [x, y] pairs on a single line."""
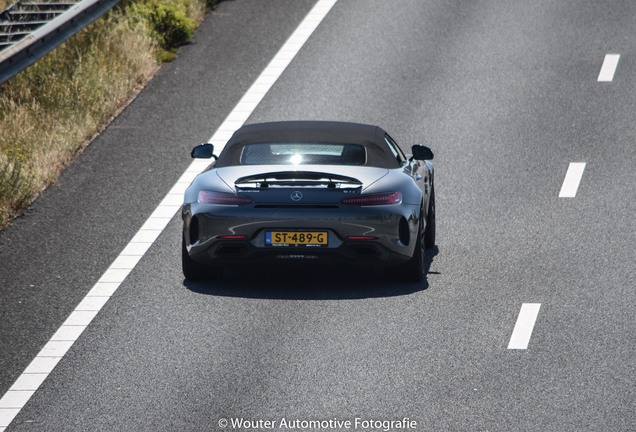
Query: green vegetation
{"points": [[52, 110], [167, 24]]}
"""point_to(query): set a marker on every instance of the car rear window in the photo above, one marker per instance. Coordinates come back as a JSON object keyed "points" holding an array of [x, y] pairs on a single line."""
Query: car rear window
{"points": [[303, 153]]}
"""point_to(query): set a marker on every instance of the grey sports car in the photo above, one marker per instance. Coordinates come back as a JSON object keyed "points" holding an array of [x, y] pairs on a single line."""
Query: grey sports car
{"points": [[310, 191]]}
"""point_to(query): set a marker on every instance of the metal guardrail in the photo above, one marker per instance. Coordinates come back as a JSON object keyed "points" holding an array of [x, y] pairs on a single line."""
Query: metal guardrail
{"points": [[29, 29]]}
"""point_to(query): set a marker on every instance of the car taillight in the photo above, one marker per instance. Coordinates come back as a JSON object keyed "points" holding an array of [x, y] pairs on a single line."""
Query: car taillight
{"points": [[375, 199], [207, 197]]}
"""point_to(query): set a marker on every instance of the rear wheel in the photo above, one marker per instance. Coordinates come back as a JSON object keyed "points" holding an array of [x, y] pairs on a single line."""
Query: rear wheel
{"points": [[413, 269], [195, 271], [429, 234]]}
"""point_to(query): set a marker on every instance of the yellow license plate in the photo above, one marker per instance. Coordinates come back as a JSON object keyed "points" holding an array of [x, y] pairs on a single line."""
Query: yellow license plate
{"points": [[296, 238]]}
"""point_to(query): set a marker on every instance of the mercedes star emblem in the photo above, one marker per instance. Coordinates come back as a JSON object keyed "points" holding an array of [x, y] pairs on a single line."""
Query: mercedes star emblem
{"points": [[296, 196]]}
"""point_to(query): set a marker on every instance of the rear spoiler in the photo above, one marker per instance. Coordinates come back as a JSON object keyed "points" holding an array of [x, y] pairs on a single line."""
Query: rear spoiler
{"points": [[297, 178]]}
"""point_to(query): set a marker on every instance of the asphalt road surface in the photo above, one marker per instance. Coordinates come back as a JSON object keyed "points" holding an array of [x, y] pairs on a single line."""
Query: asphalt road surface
{"points": [[525, 321]]}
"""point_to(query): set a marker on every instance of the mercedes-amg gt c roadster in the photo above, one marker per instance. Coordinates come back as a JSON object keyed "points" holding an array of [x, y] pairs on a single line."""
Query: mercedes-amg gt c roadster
{"points": [[310, 191]]}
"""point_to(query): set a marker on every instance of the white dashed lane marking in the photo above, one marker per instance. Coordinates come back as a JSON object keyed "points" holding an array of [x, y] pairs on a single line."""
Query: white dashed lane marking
{"points": [[572, 180], [609, 68], [525, 324], [35, 374]]}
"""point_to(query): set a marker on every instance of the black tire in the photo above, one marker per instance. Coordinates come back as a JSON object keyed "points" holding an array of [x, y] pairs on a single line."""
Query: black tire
{"points": [[413, 269], [195, 271], [429, 234]]}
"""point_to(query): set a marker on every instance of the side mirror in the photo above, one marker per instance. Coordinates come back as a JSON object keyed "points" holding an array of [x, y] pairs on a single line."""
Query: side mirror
{"points": [[421, 152], [203, 151]]}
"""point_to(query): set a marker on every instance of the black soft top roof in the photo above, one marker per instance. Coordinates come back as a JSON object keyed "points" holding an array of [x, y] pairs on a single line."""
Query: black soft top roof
{"points": [[372, 137]]}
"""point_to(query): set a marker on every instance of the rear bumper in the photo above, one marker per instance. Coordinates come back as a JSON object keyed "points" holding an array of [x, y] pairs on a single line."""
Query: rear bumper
{"points": [[240, 252], [394, 229]]}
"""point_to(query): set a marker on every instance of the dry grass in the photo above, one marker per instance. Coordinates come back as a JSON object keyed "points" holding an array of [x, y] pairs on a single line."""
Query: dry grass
{"points": [[50, 111]]}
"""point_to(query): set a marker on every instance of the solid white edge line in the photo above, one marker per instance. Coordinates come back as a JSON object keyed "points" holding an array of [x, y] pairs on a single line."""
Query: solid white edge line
{"points": [[522, 332], [610, 62], [34, 375], [572, 180]]}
